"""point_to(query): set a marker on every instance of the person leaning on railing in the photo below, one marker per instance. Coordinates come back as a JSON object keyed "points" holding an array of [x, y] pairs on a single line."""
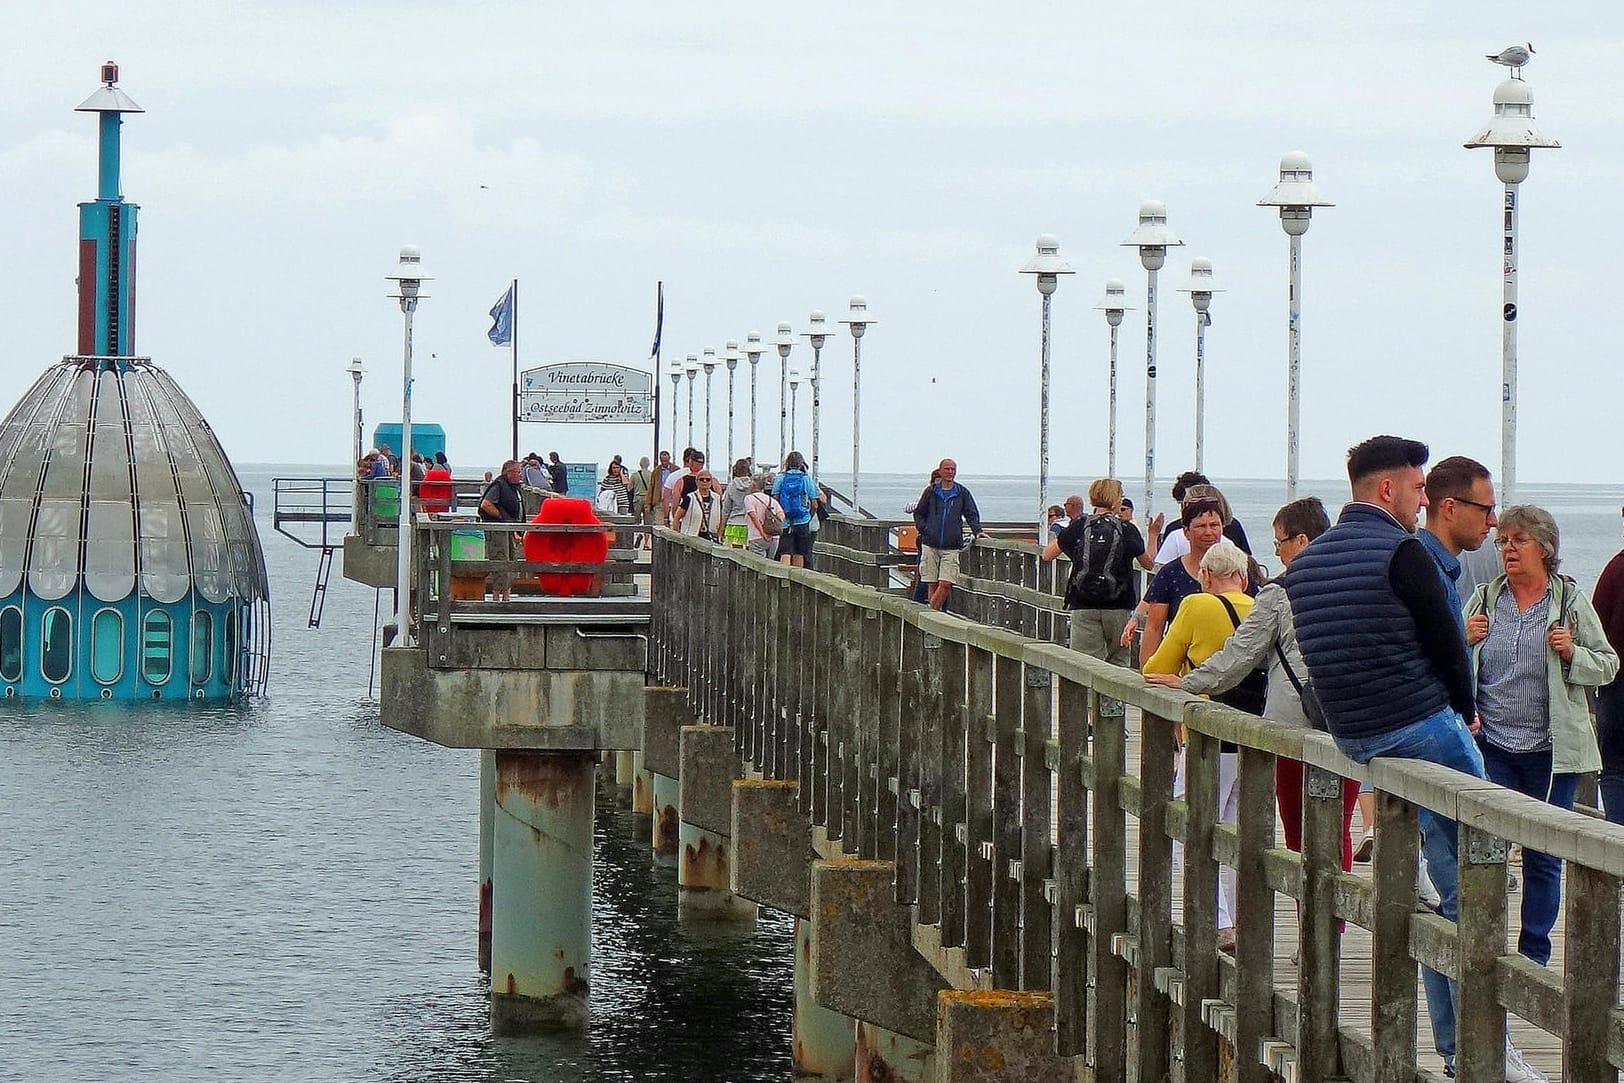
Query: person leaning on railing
{"points": [[501, 502], [1266, 637], [1537, 647]]}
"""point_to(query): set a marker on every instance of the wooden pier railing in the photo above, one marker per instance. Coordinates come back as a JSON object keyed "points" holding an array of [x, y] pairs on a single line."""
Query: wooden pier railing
{"points": [[1025, 835]]}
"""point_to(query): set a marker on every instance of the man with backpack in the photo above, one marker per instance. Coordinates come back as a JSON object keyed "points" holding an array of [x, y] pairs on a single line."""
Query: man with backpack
{"points": [[941, 515], [1103, 548]]}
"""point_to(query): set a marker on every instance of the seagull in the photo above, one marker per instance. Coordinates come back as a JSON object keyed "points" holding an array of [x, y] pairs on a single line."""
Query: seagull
{"points": [[1513, 57]]}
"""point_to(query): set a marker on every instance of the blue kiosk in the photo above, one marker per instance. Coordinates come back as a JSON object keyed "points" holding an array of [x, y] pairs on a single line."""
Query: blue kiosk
{"points": [[130, 567]]}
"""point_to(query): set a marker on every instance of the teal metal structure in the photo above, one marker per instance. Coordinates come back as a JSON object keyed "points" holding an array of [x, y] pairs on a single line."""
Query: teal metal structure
{"points": [[130, 566]]}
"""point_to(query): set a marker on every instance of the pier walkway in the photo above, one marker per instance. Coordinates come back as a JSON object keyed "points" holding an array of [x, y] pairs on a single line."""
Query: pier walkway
{"points": [[983, 866], [1032, 846]]}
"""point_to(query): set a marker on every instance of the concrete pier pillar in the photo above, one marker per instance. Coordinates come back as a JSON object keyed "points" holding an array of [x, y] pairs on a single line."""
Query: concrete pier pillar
{"points": [[487, 824], [541, 934], [703, 891], [997, 1036], [884, 1056], [642, 786], [825, 1042], [624, 773], [665, 795]]}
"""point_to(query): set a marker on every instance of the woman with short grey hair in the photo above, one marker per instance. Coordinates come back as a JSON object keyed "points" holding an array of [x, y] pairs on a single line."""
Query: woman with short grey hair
{"points": [[1537, 645]]}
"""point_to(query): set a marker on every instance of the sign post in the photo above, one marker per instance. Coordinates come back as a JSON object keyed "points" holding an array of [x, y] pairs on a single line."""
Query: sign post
{"points": [[594, 392]]}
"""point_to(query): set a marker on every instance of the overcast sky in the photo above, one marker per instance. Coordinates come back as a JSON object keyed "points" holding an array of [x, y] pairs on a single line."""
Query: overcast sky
{"points": [[765, 160]]}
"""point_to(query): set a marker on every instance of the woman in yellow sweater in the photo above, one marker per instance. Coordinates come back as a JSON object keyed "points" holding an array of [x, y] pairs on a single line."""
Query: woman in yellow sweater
{"points": [[1203, 622]]}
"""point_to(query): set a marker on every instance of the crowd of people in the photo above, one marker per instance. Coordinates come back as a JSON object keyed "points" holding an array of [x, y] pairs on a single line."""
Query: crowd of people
{"points": [[1380, 633], [775, 514]]}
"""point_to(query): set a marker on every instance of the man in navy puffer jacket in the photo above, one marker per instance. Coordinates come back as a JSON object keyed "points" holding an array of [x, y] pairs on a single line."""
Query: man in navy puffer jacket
{"points": [[1384, 649]]}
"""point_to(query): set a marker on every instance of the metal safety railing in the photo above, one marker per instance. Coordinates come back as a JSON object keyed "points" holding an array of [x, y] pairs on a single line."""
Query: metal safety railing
{"points": [[942, 745]]}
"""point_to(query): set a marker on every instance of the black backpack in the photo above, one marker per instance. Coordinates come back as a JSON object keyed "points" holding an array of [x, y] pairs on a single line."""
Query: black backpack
{"points": [[1253, 691], [1096, 561]]}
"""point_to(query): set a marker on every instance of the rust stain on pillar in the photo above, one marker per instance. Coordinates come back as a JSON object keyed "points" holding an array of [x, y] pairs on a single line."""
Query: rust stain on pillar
{"points": [[666, 834], [705, 865]]}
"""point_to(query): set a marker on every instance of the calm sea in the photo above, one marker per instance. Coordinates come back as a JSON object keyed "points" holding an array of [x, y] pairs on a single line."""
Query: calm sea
{"points": [[287, 891]]}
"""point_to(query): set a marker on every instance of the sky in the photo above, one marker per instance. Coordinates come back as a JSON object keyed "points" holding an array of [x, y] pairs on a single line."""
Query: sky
{"points": [[763, 160]]}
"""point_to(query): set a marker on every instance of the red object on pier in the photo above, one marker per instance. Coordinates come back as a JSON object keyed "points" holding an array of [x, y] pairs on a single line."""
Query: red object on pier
{"points": [[436, 491], [585, 548]]}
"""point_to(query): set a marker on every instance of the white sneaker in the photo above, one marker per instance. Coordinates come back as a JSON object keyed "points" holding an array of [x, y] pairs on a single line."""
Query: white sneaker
{"points": [[1519, 1070], [1425, 890], [1361, 852]]}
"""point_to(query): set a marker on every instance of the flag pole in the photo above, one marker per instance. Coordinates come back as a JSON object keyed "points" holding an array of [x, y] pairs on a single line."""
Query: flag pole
{"points": [[515, 344], [659, 322]]}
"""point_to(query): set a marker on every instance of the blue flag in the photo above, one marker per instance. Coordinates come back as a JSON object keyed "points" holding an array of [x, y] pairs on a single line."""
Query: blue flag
{"points": [[659, 318], [501, 332]]}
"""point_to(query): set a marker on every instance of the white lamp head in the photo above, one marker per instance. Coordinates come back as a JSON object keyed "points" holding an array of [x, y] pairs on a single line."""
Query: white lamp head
{"points": [[752, 347], [784, 340], [1152, 238], [1047, 265], [1200, 287], [1115, 302], [817, 331], [858, 319], [1295, 195], [408, 275], [1511, 132]]}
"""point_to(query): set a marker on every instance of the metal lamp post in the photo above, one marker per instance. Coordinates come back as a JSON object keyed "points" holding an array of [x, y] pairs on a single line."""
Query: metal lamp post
{"points": [[817, 334], [858, 319], [1114, 306], [355, 370], [1153, 239], [1513, 136], [1046, 267], [1201, 289], [408, 278], [692, 369], [752, 351], [794, 396], [784, 340], [1296, 197], [709, 364], [730, 357], [676, 384]]}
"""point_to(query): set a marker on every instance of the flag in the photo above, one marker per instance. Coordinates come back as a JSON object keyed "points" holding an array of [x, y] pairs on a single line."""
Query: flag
{"points": [[659, 318], [501, 332]]}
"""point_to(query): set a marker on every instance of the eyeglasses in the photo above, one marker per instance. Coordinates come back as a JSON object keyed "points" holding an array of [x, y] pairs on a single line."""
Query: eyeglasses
{"points": [[1486, 509], [706, 477], [1278, 542], [1516, 541]]}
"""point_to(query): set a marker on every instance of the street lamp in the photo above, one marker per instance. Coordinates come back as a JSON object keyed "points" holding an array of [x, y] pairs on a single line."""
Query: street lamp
{"points": [[355, 370], [692, 368], [1513, 136], [1114, 305], [783, 341], [1153, 239], [752, 351], [408, 278], [817, 334], [1296, 197], [858, 320], [794, 395], [1201, 289], [731, 358], [676, 384], [1046, 268], [709, 363]]}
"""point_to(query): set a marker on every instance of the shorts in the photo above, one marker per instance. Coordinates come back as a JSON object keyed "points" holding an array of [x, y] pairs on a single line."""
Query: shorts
{"points": [[795, 541], [938, 565], [736, 535]]}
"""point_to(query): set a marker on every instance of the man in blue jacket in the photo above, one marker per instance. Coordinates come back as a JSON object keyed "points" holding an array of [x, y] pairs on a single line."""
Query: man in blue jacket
{"points": [[941, 515], [1388, 660]]}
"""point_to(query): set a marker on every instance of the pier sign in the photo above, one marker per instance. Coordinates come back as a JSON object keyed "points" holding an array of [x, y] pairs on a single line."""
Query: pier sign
{"points": [[587, 391]]}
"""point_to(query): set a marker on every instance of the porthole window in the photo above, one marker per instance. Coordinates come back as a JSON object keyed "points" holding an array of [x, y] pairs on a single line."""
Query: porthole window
{"points": [[11, 644], [56, 644], [202, 646], [107, 646], [157, 647]]}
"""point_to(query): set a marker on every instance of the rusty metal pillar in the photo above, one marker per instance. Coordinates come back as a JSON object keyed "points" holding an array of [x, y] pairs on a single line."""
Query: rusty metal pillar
{"points": [[825, 1046], [704, 893], [884, 1056], [642, 786], [665, 793], [487, 822], [541, 934]]}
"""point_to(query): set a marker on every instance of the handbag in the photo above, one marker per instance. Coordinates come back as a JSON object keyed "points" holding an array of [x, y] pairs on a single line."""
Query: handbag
{"points": [[1253, 690], [772, 524], [1305, 692]]}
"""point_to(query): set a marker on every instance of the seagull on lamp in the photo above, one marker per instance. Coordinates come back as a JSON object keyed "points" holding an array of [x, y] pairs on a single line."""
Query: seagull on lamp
{"points": [[1513, 57]]}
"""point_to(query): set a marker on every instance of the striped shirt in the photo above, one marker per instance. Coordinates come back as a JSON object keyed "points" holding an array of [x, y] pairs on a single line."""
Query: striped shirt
{"points": [[1513, 693]]}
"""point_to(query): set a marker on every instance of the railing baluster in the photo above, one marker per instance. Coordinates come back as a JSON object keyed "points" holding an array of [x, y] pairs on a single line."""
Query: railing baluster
{"points": [[954, 829], [1006, 822], [1037, 926], [1254, 915], [1155, 894], [978, 811]]}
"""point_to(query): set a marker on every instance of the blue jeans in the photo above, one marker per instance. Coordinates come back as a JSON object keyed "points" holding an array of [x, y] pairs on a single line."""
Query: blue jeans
{"points": [[1443, 739], [1530, 773]]}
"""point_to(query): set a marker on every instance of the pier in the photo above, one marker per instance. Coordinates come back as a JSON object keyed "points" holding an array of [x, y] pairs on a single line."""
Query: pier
{"points": [[981, 865]]}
